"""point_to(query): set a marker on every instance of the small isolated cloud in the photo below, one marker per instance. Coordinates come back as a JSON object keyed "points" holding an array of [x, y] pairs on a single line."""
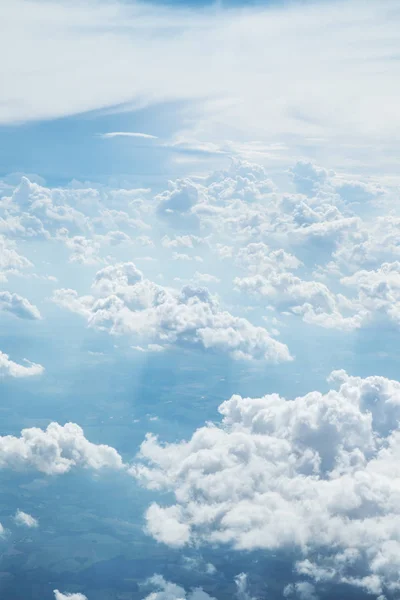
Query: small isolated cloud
{"points": [[198, 564], [301, 590], [165, 590], [26, 520], [133, 134], [12, 369], [242, 591], [55, 450], [66, 596], [18, 306]]}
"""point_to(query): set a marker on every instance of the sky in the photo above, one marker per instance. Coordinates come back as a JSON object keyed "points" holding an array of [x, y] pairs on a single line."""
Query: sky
{"points": [[199, 300]]}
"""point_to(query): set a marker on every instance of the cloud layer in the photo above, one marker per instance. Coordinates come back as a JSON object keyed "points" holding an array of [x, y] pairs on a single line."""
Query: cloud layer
{"points": [[55, 450], [317, 473], [323, 96], [125, 302]]}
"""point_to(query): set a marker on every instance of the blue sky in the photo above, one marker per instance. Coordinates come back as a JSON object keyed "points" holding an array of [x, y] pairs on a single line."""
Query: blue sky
{"points": [[199, 300]]}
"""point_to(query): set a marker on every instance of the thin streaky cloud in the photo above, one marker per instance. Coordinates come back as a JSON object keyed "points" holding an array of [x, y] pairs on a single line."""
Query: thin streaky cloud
{"points": [[134, 134]]}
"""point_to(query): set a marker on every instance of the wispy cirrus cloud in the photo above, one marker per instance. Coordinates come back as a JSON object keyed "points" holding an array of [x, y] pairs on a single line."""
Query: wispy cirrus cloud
{"points": [[127, 134], [303, 71]]}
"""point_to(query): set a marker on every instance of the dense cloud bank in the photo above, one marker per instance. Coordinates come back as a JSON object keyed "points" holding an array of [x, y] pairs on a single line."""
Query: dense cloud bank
{"points": [[319, 473], [315, 250], [229, 263]]}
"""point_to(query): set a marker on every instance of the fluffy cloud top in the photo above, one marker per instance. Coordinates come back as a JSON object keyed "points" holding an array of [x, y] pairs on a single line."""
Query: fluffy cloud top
{"points": [[25, 519], [319, 473], [12, 369], [10, 260], [291, 251], [123, 301], [303, 590], [66, 596], [18, 306], [55, 450], [165, 590]]}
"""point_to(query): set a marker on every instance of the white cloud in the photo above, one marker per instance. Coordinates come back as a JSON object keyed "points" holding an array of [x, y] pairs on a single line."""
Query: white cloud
{"points": [[257, 257], [237, 214], [66, 596], [311, 299], [55, 450], [303, 590], [134, 134], [12, 369], [242, 592], [10, 259], [26, 520], [197, 563], [318, 474], [377, 241], [378, 292], [165, 590], [18, 306], [318, 95], [308, 178], [124, 302]]}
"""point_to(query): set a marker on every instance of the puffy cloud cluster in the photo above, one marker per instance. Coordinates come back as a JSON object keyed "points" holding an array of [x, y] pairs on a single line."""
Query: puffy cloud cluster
{"points": [[83, 219], [10, 260], [66, 596], [303, 252], [313, 300], [26, 520], [18, 306], [55, 450], [165, 590], [302, 590], [36, 211], [12, 369], [376, 242], [319, 473], [123, 301]]}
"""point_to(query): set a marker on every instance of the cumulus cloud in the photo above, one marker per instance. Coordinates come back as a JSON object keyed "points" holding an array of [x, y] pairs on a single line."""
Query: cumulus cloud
{"points": [[18, 306], [12, 369], [26, 520], [312, 300], [165, 590], [176, 204], [376, 241], [378, 292], [307, 177], [84, 219], [242, 592], [55, 450], [295, 252], [10, 260], [303, 590], [124, 302], [68, 596], [318, 474]]}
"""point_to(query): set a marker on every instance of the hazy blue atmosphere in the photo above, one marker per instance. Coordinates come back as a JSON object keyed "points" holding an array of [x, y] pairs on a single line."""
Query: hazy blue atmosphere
{"points": [[199, 300]]}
